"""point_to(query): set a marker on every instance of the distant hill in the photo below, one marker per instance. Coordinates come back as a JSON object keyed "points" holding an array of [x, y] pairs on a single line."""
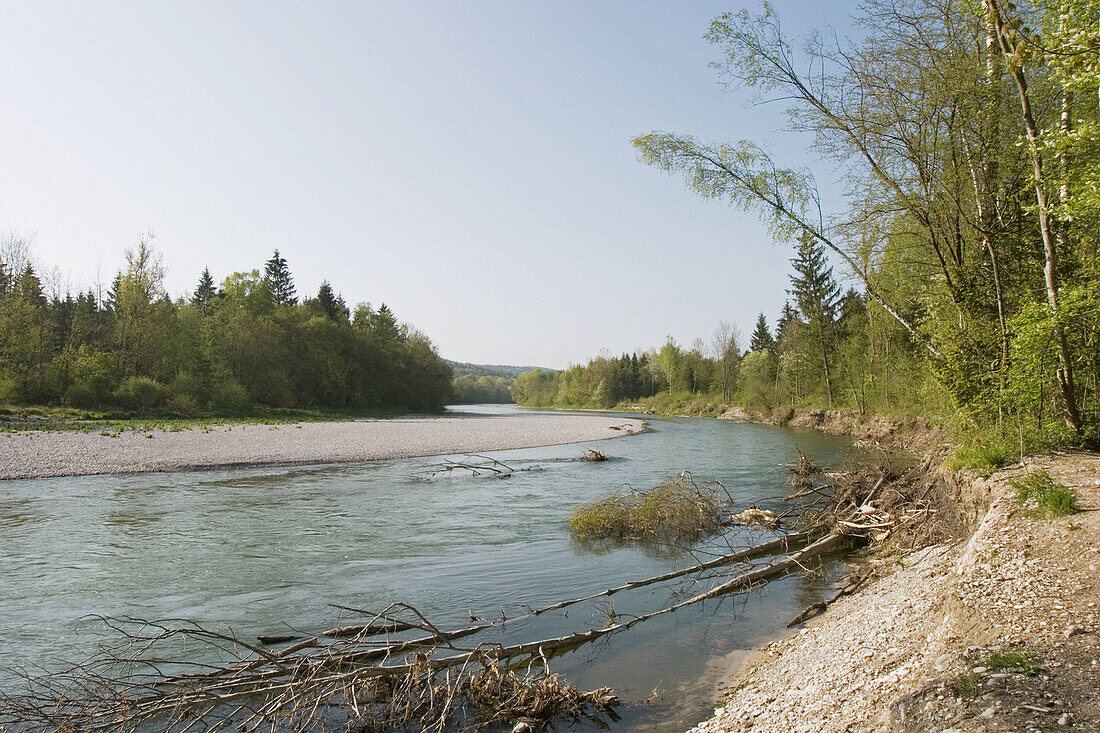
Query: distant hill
{"points": [[462, 369]]}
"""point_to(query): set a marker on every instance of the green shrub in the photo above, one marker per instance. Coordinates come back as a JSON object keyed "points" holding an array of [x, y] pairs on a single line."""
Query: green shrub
{"points": [[9, 388], [983, 456], [190, 385], [90, 378], [183, 404], [1043, 496], [677, 509], [230, 396], [139, 393]]}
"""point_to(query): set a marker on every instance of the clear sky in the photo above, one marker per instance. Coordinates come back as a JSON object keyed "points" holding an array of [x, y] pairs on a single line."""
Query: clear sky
{"points": [[467, 163]]}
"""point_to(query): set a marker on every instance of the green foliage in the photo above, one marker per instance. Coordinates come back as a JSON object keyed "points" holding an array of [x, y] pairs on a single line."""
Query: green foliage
{"points": [[229, 395], [982, 455], [231, 349], [1017, 662], [472, 390], [139, 393], [678, 509], [1043, 496]]}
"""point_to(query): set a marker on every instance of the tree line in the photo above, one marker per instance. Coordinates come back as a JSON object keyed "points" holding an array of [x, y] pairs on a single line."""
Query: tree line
{"points": [[244, 343], [970, 134]]}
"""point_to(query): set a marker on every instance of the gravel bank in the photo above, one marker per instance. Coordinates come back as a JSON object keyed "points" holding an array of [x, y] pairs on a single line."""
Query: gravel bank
{"points": [[46, 454], [924, 648]]}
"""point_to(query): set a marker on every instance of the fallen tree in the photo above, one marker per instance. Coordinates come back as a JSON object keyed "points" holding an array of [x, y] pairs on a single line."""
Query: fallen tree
{"points": [[396, 668]]}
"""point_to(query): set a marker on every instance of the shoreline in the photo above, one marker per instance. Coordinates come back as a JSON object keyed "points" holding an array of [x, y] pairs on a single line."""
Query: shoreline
{"points": [[60, 454], [918, 649]]}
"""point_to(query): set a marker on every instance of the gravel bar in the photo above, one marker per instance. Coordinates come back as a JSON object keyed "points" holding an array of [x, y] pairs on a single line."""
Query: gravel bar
{"points": [[46, 454]]}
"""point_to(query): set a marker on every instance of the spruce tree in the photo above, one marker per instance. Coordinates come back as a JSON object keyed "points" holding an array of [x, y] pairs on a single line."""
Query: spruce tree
{"points": [[278, 279], [762, 338], [205, 293], [818, 297], [331, 304]]}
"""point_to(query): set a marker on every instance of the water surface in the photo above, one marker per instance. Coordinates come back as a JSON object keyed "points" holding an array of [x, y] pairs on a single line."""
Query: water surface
{"points": [[259, 551]]}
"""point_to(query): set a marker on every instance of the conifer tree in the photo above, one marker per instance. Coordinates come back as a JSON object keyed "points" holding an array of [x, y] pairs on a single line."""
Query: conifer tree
{"points": [[818, 297], [279, 281], [762, 338], [205, 293], [331, 304]]}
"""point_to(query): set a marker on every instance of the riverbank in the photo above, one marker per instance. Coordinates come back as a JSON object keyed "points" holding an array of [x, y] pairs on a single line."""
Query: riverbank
{"points": [[50, 454], [1000, 631]]}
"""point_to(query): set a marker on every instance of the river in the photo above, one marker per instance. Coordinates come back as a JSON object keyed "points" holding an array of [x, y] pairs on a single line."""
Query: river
{"points": [[260, 551]]}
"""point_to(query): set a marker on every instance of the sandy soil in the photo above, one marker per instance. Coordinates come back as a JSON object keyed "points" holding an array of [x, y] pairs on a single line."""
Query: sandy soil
{"points": [[45, 454], [917, 650]]}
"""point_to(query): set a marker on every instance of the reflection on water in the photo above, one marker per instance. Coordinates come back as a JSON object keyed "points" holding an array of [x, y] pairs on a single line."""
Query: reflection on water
{"points": [[263, 550]]}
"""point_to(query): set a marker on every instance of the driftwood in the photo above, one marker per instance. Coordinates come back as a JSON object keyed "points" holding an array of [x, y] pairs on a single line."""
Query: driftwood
{"points": [[432, 681], [397, 670]]}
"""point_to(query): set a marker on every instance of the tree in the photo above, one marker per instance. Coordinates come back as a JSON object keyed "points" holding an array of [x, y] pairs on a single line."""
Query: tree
{"points": [[818, 296], [727, 352], [761, 337], [279, 281], [205, 293], [330, 304]]}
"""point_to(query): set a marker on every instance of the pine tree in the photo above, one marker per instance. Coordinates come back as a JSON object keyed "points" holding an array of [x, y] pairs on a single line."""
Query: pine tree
{"points": [[818, 297], [331, 304], [205, 293], [29, 288], [762, 338], [278, 279], [5, 279]]}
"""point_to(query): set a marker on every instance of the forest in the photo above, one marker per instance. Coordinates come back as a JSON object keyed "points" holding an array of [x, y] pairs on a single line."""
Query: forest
{"points": [[231, 348], [968, 137]]}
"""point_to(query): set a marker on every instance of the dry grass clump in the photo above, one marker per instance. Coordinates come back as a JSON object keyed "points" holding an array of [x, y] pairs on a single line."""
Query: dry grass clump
{"points": [[677, 509]]}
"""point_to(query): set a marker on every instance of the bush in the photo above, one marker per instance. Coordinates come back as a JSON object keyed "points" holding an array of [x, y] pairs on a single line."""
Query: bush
{"points": [[139, 393], [90, 377], [1043, 496], [677, 509], [230, 396], [183, 404], [9, 388], [189, 384], [983, 457]]}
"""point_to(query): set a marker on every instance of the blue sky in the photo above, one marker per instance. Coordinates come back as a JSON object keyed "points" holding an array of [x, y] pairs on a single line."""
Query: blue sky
{"points": [[469, 164]]}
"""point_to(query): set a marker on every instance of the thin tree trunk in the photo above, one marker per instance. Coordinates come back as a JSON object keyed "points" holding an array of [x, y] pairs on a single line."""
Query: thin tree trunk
{"points": [[1050, 272]]}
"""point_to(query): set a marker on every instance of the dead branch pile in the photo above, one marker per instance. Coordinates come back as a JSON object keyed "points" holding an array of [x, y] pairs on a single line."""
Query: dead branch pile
{"points": [[906, 507], [473, 465]]}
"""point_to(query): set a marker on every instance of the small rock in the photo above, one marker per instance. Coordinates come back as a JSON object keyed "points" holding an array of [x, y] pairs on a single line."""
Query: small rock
{"points": [[1064, 720], [1073, 630], [943, 662], [989, 712], [979, 670]]}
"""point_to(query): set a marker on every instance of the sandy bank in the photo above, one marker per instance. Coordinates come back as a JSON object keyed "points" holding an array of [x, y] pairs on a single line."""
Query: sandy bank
{"points": [[45, 454]]}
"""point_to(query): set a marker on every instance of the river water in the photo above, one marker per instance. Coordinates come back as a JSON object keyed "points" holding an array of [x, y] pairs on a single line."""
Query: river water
{"points": [[261, 551]]}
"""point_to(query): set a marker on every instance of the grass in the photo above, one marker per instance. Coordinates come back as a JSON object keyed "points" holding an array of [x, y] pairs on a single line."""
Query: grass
{"points": [[982, 456], [1017, 662], [1045, 498], [677, 509], [113, 422], [967, 685]]}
